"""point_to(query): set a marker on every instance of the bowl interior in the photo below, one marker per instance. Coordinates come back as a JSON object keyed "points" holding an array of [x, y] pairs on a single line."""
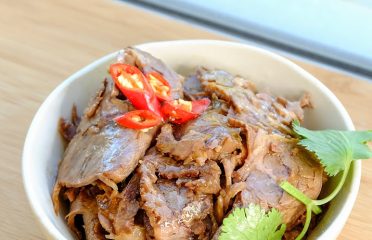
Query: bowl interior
{"points": [[44, 149]]}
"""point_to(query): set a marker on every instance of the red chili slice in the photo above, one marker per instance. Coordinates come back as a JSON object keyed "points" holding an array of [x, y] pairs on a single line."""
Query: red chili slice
{"points": [[160, 86], [135, 87], [180, 111], [138, 119]]}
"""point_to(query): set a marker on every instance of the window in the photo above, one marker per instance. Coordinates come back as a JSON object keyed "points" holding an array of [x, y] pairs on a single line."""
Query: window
{"points": [[338, 32]]}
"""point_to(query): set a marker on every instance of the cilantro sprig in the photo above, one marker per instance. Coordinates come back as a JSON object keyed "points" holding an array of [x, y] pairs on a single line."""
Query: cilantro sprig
{"points": [[252, 223], [335, 150]]}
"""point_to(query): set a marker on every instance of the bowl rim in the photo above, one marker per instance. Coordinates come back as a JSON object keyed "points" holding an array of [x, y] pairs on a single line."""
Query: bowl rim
{"points": [[334, 228]]}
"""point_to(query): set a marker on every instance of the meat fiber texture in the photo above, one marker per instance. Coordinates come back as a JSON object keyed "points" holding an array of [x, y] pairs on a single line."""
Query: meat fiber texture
{"points": [[180, 181]]}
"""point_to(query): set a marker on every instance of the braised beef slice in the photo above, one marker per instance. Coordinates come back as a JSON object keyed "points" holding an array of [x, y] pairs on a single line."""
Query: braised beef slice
{"points": [[192, 88], [101, 149], [274, 114], [204, 179], [207, 137], [271, 160], [84, 204], [148, 227], [137, 233], [175, 210], [117, 211], [224, 200], [68, 128]]}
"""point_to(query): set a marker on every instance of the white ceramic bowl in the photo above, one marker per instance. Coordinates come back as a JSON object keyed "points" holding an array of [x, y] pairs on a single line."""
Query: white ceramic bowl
{"points": [[43, 147]]}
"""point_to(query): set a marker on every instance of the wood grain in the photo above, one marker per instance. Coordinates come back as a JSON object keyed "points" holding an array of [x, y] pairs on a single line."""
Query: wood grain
{"points": [[43, 42]]}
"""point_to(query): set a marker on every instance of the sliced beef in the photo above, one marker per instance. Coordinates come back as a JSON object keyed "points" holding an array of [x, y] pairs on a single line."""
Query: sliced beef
{"points": [[229, 165], [274, 114], [84, 204], [207, 137], [225, 198], [271, 160], [101, 149], [192, 88], [68, 128], [175, 210], [106, 213], [203, 179], [136, 233], [117, 211], [148, 227], [208, 180]]}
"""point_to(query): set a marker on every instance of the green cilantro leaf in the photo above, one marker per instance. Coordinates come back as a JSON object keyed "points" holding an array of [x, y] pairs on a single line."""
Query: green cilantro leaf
{"points": [[335, 149], [252, 223]]}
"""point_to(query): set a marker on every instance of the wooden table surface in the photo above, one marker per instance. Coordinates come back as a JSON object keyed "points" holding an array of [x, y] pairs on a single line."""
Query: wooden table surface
{"points": [[43, 42]]}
